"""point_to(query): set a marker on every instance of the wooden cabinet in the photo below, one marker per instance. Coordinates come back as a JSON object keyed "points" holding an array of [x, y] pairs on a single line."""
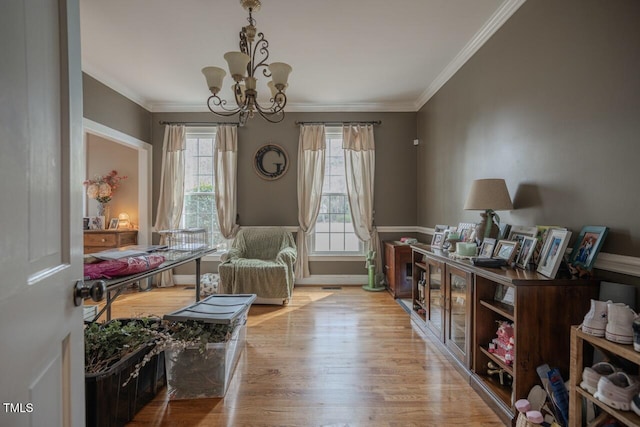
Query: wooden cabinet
{"points": [[542, 313], [434, 289], [582, 346], [397, 268], [100, 240], [442, 302], [463, 305], [457, 309]]}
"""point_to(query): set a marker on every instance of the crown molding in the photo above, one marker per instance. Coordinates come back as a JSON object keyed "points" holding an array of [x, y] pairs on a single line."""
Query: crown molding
{"points": [[169, 107], [488, 29]]}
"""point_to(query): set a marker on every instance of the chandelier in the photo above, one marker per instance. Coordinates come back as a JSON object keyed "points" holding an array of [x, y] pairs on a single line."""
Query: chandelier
{"points": [[244, 66]]}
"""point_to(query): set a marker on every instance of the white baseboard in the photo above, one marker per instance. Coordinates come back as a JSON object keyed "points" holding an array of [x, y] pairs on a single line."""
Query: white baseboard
{"points": [[334, 279], [317, 279]]}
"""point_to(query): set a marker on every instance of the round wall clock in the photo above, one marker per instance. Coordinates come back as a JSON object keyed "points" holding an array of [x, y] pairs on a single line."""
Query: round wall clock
{"points": [[270, 162]]}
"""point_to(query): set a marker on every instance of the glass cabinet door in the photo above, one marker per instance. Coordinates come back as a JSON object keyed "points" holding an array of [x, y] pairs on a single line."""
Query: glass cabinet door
{"points": [[435, 289], [458, 315]]}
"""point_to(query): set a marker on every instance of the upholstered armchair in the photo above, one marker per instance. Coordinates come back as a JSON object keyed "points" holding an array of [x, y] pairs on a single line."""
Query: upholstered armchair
{"points": [[261, 262]]}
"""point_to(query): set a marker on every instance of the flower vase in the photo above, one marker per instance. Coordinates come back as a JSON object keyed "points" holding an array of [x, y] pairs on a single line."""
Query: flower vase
{"points": [[103, 211]]}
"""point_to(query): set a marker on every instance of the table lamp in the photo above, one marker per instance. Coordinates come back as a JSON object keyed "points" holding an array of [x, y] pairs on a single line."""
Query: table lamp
{"points": [[488, 195], [123, 220]]}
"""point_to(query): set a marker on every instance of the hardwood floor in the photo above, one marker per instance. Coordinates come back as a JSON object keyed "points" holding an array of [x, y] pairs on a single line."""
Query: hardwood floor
{"points": [[332, 357]]}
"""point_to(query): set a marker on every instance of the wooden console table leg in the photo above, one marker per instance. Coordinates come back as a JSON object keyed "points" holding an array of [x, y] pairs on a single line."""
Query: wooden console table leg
{"points": [[197, 279]]}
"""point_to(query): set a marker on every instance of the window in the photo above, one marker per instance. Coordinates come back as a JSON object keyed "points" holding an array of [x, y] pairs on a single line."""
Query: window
{"points": [[333, 232], [199, 209]]}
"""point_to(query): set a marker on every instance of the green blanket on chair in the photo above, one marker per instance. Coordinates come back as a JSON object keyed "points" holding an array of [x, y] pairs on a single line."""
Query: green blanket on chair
{"points": [[260, 262]]}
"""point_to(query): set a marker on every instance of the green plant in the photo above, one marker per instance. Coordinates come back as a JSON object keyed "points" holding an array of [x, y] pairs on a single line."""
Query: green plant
{"points": [[105, 344]]}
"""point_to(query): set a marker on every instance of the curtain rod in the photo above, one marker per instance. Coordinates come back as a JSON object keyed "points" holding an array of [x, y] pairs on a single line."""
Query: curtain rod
{"points": [[374, 122], [162, 122]]}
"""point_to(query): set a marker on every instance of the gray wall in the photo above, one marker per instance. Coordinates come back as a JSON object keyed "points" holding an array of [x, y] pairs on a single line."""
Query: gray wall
{"points": [[262, 202], [106, 106], [551, 103], [265, 203]]}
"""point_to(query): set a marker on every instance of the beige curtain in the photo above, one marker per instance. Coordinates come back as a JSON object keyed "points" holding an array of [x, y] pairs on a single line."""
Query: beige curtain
{"points": [[311, 150], [171, 187], [225, 164], [360, 166]]}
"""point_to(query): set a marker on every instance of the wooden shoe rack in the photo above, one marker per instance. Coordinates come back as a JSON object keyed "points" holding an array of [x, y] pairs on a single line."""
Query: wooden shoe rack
{"points": [[582, 346]]}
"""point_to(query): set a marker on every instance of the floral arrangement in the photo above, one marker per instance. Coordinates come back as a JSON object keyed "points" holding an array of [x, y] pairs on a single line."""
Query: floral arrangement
{"points": [[102, 187]]}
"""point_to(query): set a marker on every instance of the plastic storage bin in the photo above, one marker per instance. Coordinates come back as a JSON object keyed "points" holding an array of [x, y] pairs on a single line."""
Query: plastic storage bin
{"points": [[108, 403], [192, 374]]}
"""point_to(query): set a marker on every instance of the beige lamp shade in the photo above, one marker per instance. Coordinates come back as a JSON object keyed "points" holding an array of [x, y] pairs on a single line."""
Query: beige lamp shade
{"points": [[279, 73], [237, 62], [214, 76], [488, 194]]}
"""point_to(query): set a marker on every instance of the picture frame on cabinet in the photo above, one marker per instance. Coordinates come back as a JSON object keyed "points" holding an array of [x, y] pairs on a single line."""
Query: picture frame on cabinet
{"points": [[517, 232], [587, 246], [541, 236], [506, 250], [96, 223], [504, 230], [438, 240], [466, 230], [487, 247], [527, 248], [554, 248], [113, 224]]}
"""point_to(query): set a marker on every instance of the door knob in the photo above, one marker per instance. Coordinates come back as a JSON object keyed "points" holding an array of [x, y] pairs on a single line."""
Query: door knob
{"points": [[96, 291]]}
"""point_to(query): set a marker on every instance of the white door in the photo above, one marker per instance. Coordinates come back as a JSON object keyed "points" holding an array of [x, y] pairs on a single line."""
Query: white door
{"points": [[41, 338]]}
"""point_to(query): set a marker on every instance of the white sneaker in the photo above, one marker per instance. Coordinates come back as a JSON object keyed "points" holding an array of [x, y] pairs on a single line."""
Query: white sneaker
{"points": [[617, 390], [591, 375], [620, 323], [595, 321]]}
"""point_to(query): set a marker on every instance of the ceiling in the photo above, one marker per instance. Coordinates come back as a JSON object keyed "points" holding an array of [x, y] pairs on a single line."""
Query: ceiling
{"points": [[347, 55]]}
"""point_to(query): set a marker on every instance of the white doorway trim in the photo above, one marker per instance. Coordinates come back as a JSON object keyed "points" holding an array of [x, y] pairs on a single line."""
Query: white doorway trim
{"points": [[144, 171]]}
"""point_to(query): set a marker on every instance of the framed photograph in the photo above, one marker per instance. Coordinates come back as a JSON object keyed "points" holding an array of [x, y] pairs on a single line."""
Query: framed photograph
{"points": [[85, 222], [506, 250], [587, 246], [552, 252], [543, 231], [96, 223], [505, 294], [504, 230], [439, 228], [438, 240], [466, 230], [113, 224], [527, 248], [486, 250], [518, 232]]}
